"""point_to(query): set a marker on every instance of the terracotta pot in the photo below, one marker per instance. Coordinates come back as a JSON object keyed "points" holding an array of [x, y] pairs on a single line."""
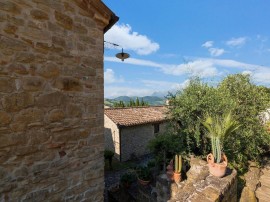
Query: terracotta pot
{"points": [[143, 182], [169, 174], [217, 169], [170, 166], [177, 177]]}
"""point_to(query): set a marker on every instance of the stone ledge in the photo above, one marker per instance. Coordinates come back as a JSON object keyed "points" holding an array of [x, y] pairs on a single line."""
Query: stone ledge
{"points": [[199, 186]]}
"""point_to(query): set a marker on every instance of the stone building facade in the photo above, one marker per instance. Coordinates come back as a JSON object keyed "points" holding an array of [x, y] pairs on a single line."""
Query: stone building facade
{"points": [[128, 130], [51, 99]]}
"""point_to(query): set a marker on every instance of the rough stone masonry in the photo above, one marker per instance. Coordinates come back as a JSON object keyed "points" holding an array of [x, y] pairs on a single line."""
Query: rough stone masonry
{"points": [[51, 99]]}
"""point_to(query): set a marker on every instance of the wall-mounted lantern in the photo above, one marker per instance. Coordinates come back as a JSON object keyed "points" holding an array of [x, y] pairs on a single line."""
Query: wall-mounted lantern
{"points": [[122, 55]]}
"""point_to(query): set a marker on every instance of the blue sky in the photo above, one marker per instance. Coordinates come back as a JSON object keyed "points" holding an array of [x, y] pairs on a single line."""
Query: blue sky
{"points": [[171, 41]]}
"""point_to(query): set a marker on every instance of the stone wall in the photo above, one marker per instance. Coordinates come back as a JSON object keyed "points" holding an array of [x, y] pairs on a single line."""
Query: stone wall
{"points": [[199, 186], [257, 182], [51, 100], [134, 139], [112, 139]]}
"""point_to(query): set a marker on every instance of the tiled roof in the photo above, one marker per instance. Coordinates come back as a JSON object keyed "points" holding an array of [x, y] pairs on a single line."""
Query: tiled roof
{"points": [[136, 115]]}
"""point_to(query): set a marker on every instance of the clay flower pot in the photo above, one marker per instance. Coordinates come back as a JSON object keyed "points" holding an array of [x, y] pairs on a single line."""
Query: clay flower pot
{"points": [[144, 175], [177, 177], [169, 167], [217, 169], [169, 174]]}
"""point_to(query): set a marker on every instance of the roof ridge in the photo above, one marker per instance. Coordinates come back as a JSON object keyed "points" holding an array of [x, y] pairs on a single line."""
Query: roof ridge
{"points": [[137, 107]]}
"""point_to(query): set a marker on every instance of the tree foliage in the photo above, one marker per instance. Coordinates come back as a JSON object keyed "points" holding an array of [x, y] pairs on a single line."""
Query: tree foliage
{"points": [[164, 146], [236, 93], [131, 103], [250, 100], [119, 104]]}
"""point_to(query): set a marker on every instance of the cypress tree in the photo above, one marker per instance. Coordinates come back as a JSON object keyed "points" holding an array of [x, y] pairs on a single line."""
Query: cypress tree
{"points": [[137, 102]]}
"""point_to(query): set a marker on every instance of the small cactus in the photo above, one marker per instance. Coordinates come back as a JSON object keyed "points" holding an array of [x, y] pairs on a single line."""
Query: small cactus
{"points": [[177, 163]]}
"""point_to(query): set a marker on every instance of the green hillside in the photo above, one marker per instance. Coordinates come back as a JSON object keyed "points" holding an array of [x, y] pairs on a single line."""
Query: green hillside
{"points": [[151, 100]]}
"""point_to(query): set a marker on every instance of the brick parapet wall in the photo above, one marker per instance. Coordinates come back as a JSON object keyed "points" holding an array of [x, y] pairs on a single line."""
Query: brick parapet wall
{"points": [[51, 101]]}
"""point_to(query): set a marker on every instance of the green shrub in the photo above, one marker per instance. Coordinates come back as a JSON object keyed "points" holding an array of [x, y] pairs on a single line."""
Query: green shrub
{"points": [[128, 177], [235, 93], [151, 163], [143, 173], [164, 146], [108, 155]]}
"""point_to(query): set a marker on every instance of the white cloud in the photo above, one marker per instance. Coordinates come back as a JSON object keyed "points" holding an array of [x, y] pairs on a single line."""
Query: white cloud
{"points": [[204, 68], [216, 51], [261, 75], [237, 41], [150, 87], [169, 55], [115, 91], [247, 72], [261, 38], [163, 85], [109, 77], [126, 38], [200, 68], [232, 64], [134, 61], [213, 51], [208, 44], [162, 88]]}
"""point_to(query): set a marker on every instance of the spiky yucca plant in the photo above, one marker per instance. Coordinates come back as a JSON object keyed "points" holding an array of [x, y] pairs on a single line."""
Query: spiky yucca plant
{"points": [[218, 128]]}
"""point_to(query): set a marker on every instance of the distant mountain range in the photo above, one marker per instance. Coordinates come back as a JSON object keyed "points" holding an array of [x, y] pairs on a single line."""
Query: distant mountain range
{"points": [[151, 100]]}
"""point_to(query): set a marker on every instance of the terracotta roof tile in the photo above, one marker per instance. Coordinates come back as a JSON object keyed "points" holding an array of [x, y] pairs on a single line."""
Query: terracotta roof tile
{"points": [[136, 115]]}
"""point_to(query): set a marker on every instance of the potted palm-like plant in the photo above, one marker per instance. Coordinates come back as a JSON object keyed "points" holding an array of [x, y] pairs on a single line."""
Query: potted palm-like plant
{"points": [[218, 128], [177, 168]]}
